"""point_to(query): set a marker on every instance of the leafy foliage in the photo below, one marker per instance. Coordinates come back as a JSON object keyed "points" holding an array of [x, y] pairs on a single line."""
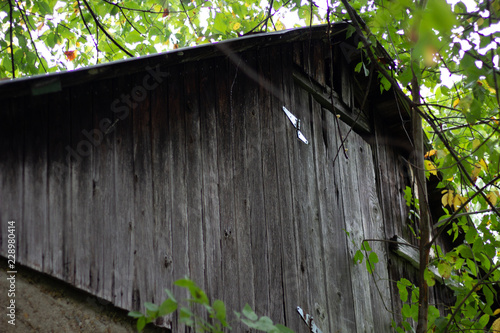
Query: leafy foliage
{"points": [[216, 311]]}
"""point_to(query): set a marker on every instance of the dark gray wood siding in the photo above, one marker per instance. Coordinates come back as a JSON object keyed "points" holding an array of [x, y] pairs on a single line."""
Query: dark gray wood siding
{"points": [[123, 184]]}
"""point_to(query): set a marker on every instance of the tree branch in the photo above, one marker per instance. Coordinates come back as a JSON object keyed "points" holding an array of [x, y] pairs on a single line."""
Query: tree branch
{"points": [[473, 289], [96, 19], [90, 32], [11, 19], [189, 19], [26, 21]]}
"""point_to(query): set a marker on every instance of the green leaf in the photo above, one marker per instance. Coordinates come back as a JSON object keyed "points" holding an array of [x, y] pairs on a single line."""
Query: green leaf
{"points": [[220, 311], [114, 11], [186, 316], [220, 23], [429, 278], [141, 323], [283, 329], [444, 269], [135, 314], [384, 83], [167, 307], [370, 263], [433, 314], [403, 291], [472, 267], [249, 313], [483, 321], [170, 295], [358, 257], [357, 69], [134, 37], [406, 311], [441, 323], [44, 8], [151, 307]]}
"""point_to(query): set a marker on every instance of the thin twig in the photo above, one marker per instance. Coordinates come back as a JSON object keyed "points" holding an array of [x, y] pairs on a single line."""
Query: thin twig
{"points": [[103, 29], [464, 299], [88, 29], [337, 122], [11, 19], [189, 19], [26, 21]]}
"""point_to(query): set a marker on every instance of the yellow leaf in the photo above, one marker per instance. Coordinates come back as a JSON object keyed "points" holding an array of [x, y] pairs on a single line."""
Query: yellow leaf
{"points": [[495, 327], [430, 153], [476, 171], [492, 197], [458, 200], [280, 25], [483, 164], [455, 102], [447, 199], [431, 167], [476, 143], [485, 84], [496, 312], [157, 8]]}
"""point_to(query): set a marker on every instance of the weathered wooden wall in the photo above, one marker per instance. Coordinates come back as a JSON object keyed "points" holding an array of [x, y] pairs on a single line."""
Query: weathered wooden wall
{"points": [[204, 176]]}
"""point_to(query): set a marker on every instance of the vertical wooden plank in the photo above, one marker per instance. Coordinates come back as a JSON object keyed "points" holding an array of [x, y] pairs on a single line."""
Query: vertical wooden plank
{"points": [[373, 226], [319, 300], [354, 226], [211, 213], [329, 315], [284, 137], [79, 154], [337, 259], [11, 174], [143, 223], [124, 196], [394, 219], [299, 106], [239, 108], [59, 209], [307, 212], [162, 193], [297, 50], [194, 176], [35, 190], [270, 74], [318, 59], [179, 208], [229, 244], [256, 221], [103, 224]]}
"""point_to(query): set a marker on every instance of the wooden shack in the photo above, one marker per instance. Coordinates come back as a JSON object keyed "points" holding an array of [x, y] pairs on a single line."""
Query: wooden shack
{"points": [[127, 176]]}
